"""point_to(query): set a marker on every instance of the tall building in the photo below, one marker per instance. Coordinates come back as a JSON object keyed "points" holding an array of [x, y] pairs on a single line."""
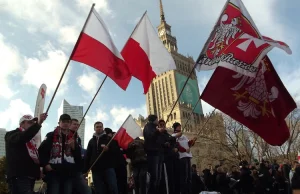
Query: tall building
{"points": [[163, 93], [2, 142], [165, 88], [76, 112]]}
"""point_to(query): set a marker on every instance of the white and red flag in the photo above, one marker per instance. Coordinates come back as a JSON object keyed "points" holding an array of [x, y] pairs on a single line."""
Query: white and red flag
{"points": [[251, 94], [235, 42], [128, 132], [95, 48], [145, 54]]}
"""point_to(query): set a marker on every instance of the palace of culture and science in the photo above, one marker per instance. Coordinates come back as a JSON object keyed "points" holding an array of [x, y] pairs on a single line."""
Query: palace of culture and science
{"points": [[164, 91]]}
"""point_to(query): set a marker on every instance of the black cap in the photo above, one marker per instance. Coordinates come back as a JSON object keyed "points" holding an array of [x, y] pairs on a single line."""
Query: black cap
{"points": [[64, 117], [108, 130], [152, 118], [175, 125]]}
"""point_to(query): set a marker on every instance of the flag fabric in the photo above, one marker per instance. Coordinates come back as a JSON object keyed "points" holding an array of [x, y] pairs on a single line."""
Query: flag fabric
{"points": [[145, 54], [95, 48], [236, 43], [251, 94], [298, 156], [261, 103], [128, 132]]}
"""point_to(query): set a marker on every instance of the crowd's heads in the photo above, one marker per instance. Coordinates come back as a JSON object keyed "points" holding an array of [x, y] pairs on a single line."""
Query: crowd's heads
{"points": [[153, 119], [64, 121], [27, 121], [177, 127], [244, 163], [108, 132], [74, 125], [98, 127]]}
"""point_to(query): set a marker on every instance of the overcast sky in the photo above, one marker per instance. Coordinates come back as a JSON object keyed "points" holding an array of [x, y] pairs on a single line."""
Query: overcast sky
{"points": [[36, 38]]}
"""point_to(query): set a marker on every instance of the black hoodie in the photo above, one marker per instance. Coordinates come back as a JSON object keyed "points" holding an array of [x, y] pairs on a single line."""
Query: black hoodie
{"points": [[153, 144], [94, 149]]}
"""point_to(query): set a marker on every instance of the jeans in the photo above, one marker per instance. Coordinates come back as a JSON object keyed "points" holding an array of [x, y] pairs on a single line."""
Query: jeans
{"points": [[155, 169], [21, 185], [58, 185], [103, 178], [185, 175], [80, 185], [140, 179]]}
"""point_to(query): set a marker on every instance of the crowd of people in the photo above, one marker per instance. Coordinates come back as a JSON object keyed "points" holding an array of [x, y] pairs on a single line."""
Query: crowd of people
{"points": [[160, 163]]}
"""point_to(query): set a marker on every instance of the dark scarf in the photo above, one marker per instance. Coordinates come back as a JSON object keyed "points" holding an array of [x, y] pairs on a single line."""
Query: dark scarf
{"points": [[56, 151]]}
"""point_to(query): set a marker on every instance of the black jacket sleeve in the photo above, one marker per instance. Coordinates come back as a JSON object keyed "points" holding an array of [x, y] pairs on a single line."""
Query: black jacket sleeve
{"points": [[150, 132], [45, 150], [22, 137], [88, 157], [77, 155]]}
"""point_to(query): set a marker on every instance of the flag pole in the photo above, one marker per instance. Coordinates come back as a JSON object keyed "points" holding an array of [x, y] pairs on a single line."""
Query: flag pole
{"points": [[91, 103], [76, 44], [106, 146], [189, 116], [135, 28], [198, 59]]}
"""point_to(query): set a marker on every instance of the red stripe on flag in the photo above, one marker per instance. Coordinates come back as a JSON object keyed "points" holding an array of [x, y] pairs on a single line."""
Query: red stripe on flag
{"points": [[138, 63], [123, 138], [95, 54]]}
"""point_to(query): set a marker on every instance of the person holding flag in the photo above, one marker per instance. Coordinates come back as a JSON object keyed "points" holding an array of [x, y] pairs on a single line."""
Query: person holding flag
{"points": [[21, 149], [60, 156]]}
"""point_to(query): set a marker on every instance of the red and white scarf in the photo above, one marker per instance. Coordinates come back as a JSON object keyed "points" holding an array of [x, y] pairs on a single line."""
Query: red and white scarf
{"points": [[56, 151], [31, 148]]}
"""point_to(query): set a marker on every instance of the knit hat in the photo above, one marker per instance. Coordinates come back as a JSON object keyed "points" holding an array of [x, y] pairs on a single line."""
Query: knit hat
{"points": [[108, 131], [175, 125], [152, 118]]}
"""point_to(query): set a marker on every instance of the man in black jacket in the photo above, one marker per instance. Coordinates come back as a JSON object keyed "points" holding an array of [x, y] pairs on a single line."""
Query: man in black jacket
{"points": [[103, 170], [22, 156], [60, 156], [154, 150]]}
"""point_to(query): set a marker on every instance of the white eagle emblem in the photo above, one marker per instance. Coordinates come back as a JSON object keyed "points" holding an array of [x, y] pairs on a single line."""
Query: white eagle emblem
{"points": [[253, 101], [223, 34]]}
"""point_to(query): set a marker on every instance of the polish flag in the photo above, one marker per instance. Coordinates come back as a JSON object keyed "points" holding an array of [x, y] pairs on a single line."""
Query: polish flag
{"points": [[298, 157], [128, 132], [95, 48], [145, 54]]}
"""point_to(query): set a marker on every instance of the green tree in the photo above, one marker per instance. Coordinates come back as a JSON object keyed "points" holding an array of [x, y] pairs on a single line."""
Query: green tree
{"points": [[3, 184]]}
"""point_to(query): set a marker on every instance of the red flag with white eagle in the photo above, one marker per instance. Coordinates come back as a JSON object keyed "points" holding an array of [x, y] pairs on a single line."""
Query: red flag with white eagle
{"points": [[128, 132], [245, 86], [145, 54], [95, 48], [236, 43], [261, 103]]}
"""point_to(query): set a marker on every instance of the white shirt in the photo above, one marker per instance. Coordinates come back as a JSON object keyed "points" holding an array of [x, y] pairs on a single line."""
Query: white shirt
{"points": [[184, 142]]}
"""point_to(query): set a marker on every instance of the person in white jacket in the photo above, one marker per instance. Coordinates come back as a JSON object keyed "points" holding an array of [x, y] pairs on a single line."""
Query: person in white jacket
{"points": [[185, 155]]}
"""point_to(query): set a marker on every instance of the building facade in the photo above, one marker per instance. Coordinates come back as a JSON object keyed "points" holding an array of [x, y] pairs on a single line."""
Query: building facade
{"points": [[2, 142], [76, 112], [165, 88]]}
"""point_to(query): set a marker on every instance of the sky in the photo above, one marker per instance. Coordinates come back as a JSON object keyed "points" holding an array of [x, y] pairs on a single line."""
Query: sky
{"points": [[37, 37]]}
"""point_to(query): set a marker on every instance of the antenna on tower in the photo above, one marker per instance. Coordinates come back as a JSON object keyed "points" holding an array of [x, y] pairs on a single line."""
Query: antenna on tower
{"points": [[162, 14]]}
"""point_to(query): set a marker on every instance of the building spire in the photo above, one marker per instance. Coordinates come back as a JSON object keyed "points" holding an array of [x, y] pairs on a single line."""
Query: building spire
{"points": [[162, 15]]}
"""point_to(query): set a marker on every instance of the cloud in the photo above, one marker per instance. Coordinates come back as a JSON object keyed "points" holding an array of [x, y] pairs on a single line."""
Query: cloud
{"points": [[11, 66], [100, 5], [11, 116], [68, 34], [120, 113], [47, 69], [89, 82]]}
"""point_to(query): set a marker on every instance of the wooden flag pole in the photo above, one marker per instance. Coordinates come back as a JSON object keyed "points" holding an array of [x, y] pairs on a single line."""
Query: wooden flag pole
{"points": [[91, 103], [106, 146], [198, 59], [59, 82]]}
